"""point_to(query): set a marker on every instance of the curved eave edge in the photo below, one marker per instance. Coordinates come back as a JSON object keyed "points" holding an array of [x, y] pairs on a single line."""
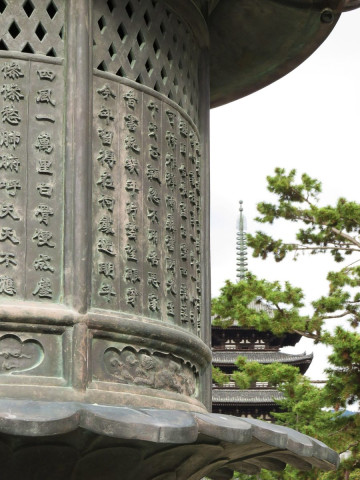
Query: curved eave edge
{"points": [[38, 419], [254, 73]]}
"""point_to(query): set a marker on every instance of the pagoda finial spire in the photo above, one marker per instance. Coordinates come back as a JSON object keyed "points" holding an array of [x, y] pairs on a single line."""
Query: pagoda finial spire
{"points": [[241, 247]]}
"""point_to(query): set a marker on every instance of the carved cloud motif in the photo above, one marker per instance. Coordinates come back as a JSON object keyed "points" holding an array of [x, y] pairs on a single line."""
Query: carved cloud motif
{"points": [[150, 370], [18, 356]]}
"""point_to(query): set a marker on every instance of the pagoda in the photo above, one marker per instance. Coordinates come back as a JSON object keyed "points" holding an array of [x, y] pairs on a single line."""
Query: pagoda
{"points": [[264, 347]]}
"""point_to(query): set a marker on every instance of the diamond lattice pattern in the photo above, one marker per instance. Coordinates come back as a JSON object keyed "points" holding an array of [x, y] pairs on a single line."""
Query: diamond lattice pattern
{"points": [[32, 26], [143, 41]]}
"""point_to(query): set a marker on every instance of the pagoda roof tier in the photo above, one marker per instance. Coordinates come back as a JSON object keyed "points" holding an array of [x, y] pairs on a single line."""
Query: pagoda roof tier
{"points": [[245, 397], [254, 43], [287, 339], [265, 357]]}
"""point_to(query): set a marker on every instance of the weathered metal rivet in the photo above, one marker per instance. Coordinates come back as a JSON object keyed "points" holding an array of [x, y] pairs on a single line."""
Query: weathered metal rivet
{"points": [[327, 16]]}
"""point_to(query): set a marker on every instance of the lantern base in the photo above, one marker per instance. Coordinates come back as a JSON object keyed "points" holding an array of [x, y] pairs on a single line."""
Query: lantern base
{"points": [[80, 441]]}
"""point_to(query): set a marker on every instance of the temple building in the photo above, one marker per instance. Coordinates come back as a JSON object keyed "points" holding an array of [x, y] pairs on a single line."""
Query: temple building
{"points": [[264, 347]]}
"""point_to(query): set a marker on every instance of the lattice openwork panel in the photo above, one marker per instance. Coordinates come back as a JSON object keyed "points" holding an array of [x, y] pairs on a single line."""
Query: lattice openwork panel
{"points": [[143, 41], [32, 26]]}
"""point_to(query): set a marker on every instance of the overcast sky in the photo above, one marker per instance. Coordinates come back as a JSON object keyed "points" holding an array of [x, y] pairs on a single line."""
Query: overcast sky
{"points": [[308, 120]]}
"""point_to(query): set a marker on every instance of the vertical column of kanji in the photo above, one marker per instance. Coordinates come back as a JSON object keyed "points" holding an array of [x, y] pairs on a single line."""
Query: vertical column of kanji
{"points": [[13, 179], [171, 243], [182, 128], [106, 201], [132, 164], [154, 209], [194, 179], [45, 183]]}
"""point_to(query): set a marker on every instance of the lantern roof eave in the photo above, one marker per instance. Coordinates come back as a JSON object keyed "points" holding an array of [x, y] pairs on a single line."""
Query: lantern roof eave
{"points": [[254, 43]]}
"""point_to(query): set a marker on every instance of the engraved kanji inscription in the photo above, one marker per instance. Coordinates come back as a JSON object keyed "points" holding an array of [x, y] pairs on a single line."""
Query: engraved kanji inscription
{"points": [[183, 314], [153, 258], [183, 272], [153, 280], [44, 96], [7, 233], [184, 297], [170, 202], [132, 165], [105, 226], [170, 180], [183, 129], [153, 236], [130, 99], [153, 108], [152, 130], [43, 117], [12, 70], [131, 210], [107, 269], [131, 275], [183, 189], [11, 186], [171, 286], [152, 173], [44, 166], [9, 139], [43, 143], [183, 210], [131, 253], [170, 265], [106, 114], [131, 187], [9, 162], [106, 202], [107, 157], [7, 259], [170, 223], [153, 303], [131, 122], [183, 251], [43, 288], [43, 238], [46, 75], [107, 292], [183, 149], [106, 92], [154, 152], [42, 263], [8, 210], [45, 189], [7, 285], [106, 246], [11, 92], [170, 161], [130, 144], [43, 213], [171, 117], [131, 296], [169, 243], [153, 196], [106, 137], [171, 139], [170, 308], [182, 171], [106, 181], [131, 230], [152, 215], [10, 115]]}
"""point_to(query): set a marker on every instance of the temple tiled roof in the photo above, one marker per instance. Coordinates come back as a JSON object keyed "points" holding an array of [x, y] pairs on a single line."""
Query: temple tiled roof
{"points": [[261, 356], [240, 397]]}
